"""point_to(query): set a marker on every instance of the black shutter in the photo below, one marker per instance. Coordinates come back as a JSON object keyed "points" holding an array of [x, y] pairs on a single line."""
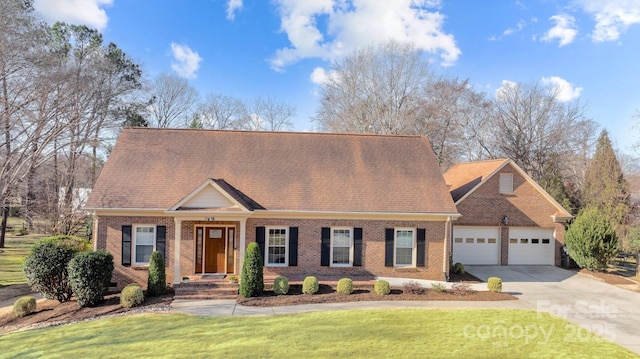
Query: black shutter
{"points": [[388, 247], [126, 245], [421, 246], [325, 248], [161, 240], [293, 246], [260, 240], [357, 247]]}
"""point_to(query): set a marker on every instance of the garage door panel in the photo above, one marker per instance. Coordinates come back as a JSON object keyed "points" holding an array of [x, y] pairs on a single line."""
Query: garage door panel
{"points": [[476, 245], [534, 246]]}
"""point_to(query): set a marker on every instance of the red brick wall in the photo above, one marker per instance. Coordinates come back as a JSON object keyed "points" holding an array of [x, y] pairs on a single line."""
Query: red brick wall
{"points": [[373, 248]]}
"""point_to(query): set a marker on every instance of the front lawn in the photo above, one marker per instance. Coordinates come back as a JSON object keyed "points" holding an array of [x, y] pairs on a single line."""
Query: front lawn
{"points": [[357, 334], [12, 257]]}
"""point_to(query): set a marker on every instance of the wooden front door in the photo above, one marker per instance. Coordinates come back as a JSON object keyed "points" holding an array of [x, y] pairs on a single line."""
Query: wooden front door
{"points": [[214, 258]]}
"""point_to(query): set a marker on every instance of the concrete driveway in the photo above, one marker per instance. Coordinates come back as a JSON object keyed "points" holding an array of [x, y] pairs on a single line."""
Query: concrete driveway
{"points": [[604, 309]]}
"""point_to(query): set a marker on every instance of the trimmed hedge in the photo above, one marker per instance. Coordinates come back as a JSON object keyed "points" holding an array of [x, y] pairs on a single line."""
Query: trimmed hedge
{"points": [[345, 286], [494, 284], [281, 286], [24, 306], [382, 287], [252, 278], [131, 296], [90, 274], [46, 265], [310, 285], [157, 280]]}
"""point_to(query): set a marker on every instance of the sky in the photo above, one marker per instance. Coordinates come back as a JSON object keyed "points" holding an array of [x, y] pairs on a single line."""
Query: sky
{"points": [[589, 49]]}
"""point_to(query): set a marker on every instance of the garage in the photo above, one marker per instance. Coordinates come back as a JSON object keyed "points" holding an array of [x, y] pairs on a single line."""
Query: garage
{"points": [[476, 245], [531, 246]]}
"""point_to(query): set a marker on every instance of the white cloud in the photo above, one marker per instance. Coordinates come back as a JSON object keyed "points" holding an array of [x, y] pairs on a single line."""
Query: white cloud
{"points": [[186, 62], [566, 91], [232, 7], [565, 30], [506, 85], [521, 24], [319, 76], [328, 29], [80, 12], [612, 17]]}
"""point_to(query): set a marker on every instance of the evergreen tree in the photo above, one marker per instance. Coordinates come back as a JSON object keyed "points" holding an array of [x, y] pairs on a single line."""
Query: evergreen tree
{"points": [[591, 240], [553, 182], [604, 185], [252, 279]]}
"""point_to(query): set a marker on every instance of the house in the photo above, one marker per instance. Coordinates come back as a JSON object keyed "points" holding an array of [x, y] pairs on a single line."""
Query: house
{"points": [[507, 218], [316, 203]]}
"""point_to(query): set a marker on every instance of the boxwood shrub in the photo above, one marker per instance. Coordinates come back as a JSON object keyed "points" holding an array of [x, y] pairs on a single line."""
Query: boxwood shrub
{"points": [[24, 306], [310, 285], [90, 274], [458, 268], [252, 277], [281, 286], [46, 265], [382, 287], [345, 286], [494, 284], [131, 296]]}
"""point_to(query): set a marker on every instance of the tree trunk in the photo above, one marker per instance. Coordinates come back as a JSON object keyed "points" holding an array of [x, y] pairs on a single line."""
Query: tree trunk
{"points": [[3, 226], [638, 264]]}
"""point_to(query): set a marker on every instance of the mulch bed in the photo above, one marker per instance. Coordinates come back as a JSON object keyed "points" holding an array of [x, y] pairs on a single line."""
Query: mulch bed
{"points": [[327, 294], [608, 278], [51, 312]]}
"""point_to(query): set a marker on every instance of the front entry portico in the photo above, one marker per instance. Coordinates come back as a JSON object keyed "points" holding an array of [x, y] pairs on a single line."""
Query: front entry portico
{"points": [[214, 249]]}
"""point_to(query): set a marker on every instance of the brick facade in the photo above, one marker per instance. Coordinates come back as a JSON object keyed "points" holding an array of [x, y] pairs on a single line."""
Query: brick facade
{"points": [[108, 235], [525, 207]]}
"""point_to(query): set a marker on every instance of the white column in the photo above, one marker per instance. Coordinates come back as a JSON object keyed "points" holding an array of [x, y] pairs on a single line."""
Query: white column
{"points": [[176, 250], [243, 242]]}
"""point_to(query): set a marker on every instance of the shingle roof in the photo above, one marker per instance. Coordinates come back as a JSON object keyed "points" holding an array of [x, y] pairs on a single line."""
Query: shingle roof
{"points": [[156, 168], [464, 177]]}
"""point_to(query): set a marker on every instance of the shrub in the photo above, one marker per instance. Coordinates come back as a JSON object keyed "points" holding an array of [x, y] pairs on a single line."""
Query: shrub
{"points": [[382, 287], [438, 287], [494, 284], [90, 274], [24, 306], [281, 286], [157, 281], [458, 268], [310, 285], [413, 287], [20, 232], [131, 296], [233, 279], [591, 240], [461, 289], [345, 286], [252, 280], [46, 266]]}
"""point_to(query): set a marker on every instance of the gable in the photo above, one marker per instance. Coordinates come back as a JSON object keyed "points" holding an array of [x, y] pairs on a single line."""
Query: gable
{"points": [[208, 197]]}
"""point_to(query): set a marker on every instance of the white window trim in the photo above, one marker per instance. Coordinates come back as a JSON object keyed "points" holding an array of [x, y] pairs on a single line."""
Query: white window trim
{"points": [[414, 251], [350, 264], [286, 247], [134, 241], [503, 177]]}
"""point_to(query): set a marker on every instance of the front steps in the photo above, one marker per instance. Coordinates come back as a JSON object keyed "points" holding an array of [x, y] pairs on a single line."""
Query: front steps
{"points": [[197, 289]]}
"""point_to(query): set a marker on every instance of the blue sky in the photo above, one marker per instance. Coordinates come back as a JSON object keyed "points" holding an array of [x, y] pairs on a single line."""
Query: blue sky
{"points": [[283, 48]]}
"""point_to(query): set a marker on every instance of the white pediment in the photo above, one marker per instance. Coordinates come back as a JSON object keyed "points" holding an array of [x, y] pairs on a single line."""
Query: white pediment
{"points": [[209, 195]]}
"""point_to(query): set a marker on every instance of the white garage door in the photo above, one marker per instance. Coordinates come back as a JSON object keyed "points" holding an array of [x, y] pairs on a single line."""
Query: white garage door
{"points": [[531, 246], [476, 245]]}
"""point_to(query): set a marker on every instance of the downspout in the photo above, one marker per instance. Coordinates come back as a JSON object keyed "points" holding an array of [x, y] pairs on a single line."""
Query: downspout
{"points": [[448, 247]]}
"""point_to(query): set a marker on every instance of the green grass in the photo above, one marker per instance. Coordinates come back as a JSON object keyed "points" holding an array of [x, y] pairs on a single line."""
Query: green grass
{"points": [[341, 334], [12, 258]]}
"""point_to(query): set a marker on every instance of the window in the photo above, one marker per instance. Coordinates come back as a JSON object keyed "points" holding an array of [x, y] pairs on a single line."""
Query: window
{"points": [[480, 240], [524, 240], [458, 240], [535, 240], [404, 247], [144, 239], [341, 247], [545, 241], [469, 240], [491, 240], [506, 183], [277, 247], [513, 240]]}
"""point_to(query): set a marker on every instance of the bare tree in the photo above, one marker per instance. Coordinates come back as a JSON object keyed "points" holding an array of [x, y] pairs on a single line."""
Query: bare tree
{"points": [[530, 124], [172, 99], [220, 112], [268, 114]]}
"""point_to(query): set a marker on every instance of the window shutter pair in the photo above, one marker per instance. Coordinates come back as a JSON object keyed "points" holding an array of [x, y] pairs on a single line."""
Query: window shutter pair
{"points": [[325, 247], [161, 243], [293, 244], [420, 247]]}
